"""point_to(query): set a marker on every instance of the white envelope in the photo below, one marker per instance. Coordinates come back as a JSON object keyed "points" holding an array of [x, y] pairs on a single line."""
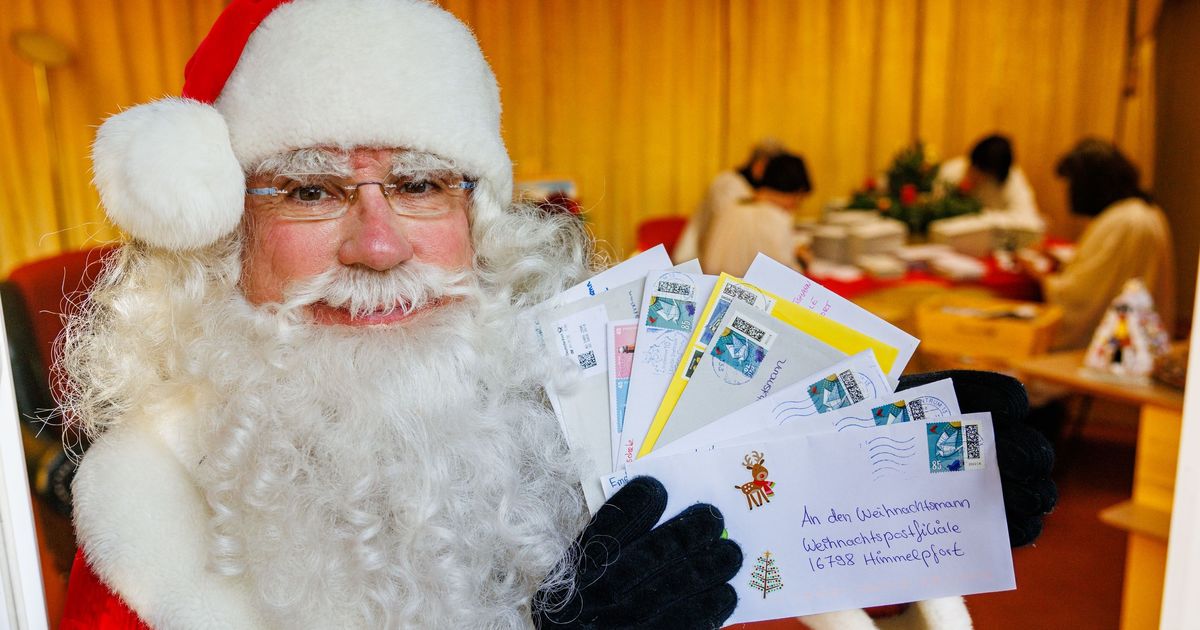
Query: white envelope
{"points": [[846, 383], [578, 331], [786, 282], [834, 521], [622, 273], [751, 354], [662, 339], [925, 402]]}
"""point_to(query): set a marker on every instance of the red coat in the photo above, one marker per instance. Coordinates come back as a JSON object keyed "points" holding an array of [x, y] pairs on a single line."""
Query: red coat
{"points": [[91, 605]]}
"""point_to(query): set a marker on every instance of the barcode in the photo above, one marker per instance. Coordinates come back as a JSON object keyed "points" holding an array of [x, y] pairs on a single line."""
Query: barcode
{"points": [[587, 359], [740, 294], [971, 438], [678, 288], [916, 410], [748, 329], [851, 385]]}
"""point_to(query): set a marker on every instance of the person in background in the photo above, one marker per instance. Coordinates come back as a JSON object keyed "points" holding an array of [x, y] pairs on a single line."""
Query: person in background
{"points": [[1127, 238], [990, 175], [762, 222], [728, 187]]}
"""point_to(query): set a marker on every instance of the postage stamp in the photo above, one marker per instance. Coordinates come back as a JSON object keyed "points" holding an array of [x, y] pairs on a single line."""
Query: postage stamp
{"points": [[927, 407], [891, 413], [945, 441], [835, 391], [672, 303], [740, 349], [670, 313], [730, 292], [917, 409]]}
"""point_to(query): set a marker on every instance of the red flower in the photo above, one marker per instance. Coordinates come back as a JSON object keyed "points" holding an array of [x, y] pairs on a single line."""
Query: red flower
{"points": [[908, 194], [870, 184]]}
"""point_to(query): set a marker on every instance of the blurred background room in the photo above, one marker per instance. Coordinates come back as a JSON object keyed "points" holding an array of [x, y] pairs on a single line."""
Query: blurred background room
{"points": [[988, 175]]}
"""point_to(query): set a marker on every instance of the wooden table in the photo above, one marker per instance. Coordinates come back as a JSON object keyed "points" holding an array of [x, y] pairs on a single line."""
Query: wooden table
{"points": [[1146, 516]]}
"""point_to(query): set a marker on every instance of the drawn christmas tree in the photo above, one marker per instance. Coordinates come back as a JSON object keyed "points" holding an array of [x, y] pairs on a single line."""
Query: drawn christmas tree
{"points": [[765, 576]]}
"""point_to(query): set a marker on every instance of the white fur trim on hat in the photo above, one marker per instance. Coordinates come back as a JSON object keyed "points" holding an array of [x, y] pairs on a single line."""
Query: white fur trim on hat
{"points": [[379, 73], [167, 173]]}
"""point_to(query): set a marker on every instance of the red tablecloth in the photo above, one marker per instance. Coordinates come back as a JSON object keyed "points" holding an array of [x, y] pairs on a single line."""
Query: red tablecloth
{"points": [[1003, 284]]}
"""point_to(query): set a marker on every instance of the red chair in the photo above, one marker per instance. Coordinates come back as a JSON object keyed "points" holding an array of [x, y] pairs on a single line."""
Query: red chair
{"points": [[665, 230], [37, 298]]}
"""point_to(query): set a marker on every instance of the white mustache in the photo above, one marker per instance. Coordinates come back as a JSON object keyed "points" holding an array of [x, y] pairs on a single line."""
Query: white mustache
{"points": [[361, 291]]}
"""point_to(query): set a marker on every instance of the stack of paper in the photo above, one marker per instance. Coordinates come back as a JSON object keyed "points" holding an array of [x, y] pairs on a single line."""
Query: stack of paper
{"points": [[773, 399]]}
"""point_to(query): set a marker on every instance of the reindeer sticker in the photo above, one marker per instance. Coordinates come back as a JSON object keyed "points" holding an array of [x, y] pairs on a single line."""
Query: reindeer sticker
{"points": [[761, 489]]}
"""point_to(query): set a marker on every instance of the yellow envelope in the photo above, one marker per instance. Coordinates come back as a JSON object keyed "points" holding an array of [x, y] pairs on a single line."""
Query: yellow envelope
{"points": [[729, 290]]}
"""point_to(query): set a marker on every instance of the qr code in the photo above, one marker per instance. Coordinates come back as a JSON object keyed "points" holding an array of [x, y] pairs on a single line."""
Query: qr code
{"points": [[740, 294], [851, 385], [748, 329], [971, 440], [587, 360], [916, 409], [678, 288]]}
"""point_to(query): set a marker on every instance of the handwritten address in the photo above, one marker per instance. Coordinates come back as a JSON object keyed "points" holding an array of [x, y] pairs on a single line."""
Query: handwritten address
{"points": [[897, 534]]}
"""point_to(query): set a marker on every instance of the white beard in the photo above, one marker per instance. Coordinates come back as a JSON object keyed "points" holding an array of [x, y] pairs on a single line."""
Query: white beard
{"points": [[384, 477]]}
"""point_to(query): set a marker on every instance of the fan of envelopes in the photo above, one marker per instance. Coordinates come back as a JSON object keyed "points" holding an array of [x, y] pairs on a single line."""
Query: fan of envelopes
{"points": [[774, 399]]}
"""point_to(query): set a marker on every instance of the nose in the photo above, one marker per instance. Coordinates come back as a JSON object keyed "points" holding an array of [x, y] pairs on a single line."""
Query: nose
{"points": [[372, 234]]}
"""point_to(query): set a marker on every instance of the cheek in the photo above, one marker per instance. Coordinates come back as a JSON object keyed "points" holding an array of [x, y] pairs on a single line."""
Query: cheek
{"points": [[278, 253], [446, 243]]}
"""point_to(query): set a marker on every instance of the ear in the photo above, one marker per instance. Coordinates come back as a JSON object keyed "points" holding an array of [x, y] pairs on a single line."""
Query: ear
{"points": [[167, 174]]}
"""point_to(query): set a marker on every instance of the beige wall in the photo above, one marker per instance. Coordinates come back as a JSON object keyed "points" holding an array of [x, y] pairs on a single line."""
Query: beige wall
{"points": [[1177, 170]]}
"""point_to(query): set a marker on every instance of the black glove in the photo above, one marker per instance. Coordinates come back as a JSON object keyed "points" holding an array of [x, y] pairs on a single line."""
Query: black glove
{"points": [[629, 575], [1025, 457]]}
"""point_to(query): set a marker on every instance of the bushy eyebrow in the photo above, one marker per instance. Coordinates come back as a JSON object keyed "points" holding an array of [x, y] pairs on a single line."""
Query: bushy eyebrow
{"points": [[307, 160], [407, 163]]}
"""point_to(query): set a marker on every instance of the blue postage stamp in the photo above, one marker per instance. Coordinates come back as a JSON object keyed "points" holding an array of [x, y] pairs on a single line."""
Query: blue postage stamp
{"points": [[917, 409], [670, 313], [740, 349], [945, 441], [891, 413], [730, 292], [835, 391]]}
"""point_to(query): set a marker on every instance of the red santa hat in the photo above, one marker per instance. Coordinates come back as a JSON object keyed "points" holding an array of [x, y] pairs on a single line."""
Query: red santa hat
{"points": [[278, 75]]}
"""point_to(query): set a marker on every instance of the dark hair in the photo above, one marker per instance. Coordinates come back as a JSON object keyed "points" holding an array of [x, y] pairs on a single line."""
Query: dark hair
{"points": [[1098, 175], [786, 173], [993, 155]]}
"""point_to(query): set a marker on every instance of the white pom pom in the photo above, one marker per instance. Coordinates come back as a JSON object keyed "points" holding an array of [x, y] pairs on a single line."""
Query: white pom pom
{"points": [[167, 173]]}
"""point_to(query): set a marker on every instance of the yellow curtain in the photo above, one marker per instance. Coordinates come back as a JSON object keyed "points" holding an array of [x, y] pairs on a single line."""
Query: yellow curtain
{"points": [[1044, 72], [640, 101], [123, 52]]}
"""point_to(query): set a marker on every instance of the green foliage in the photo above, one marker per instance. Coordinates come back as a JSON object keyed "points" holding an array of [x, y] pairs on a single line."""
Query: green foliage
{"points": [[910, 166], [910, 197]]}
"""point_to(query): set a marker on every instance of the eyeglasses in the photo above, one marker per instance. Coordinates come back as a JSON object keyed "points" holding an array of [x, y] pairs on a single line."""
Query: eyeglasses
{"points": [[318, 197]]}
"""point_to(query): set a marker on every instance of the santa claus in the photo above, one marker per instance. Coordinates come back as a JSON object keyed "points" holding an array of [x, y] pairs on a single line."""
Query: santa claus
{"points": [[311, 400]]}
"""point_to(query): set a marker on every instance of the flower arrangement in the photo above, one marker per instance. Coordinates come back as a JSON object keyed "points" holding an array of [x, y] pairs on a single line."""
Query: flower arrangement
{"points": [[909, 192]]}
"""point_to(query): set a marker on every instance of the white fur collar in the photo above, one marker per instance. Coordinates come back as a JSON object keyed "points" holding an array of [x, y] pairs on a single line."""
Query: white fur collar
{"points": [[140, 520]]}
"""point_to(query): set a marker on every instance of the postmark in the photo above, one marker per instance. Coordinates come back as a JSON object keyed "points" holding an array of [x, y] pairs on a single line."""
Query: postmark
{"points": [[664, 351]]}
